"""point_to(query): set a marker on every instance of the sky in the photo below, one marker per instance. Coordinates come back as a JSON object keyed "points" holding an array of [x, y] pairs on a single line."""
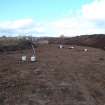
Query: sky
{"points": [[52, 17]]}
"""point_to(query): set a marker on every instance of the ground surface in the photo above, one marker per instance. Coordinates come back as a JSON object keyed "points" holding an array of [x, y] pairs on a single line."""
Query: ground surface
{"points": [[59, 77]]}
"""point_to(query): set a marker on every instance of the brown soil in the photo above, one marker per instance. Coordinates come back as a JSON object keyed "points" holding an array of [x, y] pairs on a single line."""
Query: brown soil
{"points": [[59, 77]]}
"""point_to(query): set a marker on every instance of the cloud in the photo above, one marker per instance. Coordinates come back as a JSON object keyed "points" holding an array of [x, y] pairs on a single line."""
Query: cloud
{"points": [[22, 26], [94, 10], [16, 24], [89, 19]]}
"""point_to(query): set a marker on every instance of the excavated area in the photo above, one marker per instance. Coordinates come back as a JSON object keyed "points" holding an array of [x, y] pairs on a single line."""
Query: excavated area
{"points": [[58, 77]]}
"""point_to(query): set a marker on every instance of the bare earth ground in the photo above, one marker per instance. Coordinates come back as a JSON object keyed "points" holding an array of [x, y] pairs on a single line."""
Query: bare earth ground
{"points": [[59, 77]]}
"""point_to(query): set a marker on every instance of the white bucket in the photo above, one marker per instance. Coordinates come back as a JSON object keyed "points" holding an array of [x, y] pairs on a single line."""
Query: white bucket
{"points": [[23, 58], [71, 47], [61, 46], [85, 50], [33, 58]]}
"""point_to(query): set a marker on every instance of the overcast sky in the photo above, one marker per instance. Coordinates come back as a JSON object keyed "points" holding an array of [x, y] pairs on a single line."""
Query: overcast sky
{"points": [[52, 17]]}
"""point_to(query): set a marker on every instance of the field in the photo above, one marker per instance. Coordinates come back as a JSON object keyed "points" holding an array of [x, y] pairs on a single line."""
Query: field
{"points": [[59, 77]]}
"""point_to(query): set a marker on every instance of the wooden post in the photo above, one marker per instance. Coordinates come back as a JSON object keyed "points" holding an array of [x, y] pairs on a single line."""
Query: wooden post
{"points": [[33, 58], [33, 49]]}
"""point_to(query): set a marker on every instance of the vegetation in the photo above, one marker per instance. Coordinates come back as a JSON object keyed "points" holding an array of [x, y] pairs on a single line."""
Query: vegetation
{"points": [[13, 44]]}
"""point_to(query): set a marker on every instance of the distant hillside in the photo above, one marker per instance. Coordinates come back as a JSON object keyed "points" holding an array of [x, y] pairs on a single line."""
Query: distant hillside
{"points": [[96, 40]]}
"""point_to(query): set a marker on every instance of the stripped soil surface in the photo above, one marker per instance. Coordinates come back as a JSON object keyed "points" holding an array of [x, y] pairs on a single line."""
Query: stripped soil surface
{"points": [[58, 77]]}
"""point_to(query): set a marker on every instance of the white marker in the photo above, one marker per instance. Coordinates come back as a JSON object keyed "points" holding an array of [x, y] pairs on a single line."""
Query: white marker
{"points": [[24, 58]]}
